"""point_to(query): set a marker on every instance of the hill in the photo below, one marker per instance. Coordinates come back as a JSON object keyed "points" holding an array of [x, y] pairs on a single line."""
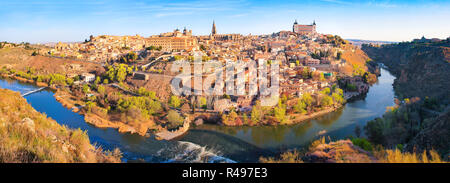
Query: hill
{"points": [[21, 59], [29, 136], [422, 69], [421, 120], [360, 42]]}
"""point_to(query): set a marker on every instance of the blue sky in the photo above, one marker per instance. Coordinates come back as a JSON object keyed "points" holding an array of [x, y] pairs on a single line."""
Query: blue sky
{"points": [[57, 20]]}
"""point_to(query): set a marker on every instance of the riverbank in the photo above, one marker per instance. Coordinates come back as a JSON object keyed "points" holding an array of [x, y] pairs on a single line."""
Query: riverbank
{"points": [[298, 118], [69, 101], [165, 134], [40, 84]]}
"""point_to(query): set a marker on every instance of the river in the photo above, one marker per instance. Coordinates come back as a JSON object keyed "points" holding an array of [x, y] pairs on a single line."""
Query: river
{"points": [[212, 143]]}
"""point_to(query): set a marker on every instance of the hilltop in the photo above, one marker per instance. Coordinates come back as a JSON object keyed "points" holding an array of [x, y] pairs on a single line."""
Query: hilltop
{"points": [[29, 136], [22, 59]]}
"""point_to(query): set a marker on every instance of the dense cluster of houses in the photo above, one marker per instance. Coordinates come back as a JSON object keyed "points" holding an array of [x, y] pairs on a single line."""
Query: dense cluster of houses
{"points": [[296, 50]]}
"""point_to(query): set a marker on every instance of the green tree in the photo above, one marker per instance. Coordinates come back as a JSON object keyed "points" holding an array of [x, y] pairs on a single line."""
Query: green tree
{"points": [[89, 106], [101, 89], [203, 102], [69, 81], [177, 57], [174, 101], [338, 91], [97, 80], [121, 74], [307, 99], [351, 87], [300, 107], [86, 88], [306, 74], [132, 56], [326, 91], [280, 113], [175, 119], [205, 58], [322, 77], [326, 101], [257, 113]]}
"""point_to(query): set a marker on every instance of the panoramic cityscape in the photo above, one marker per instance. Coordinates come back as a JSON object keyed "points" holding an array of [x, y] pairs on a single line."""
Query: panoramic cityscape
{"points": [[207, 82]]}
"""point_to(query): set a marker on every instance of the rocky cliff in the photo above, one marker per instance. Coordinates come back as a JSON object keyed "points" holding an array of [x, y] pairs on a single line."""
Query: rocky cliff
{"points": [[422, 69]]}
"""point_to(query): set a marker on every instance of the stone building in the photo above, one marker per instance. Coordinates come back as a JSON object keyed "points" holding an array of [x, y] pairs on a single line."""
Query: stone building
{"points": [[304, 29], [174, 40]]}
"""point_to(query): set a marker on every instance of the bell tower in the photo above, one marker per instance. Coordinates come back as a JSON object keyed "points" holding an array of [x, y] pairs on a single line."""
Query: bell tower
{"points": [[213, 32]]}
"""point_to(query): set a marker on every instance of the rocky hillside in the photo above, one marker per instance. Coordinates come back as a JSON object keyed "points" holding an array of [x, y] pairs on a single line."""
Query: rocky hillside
{"points": [[434, 135], [29, 136], [356, 150], [422, 69]]}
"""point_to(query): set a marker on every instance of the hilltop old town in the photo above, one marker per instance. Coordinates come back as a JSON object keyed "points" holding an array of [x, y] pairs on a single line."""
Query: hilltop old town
{"points": [[124, 82]]}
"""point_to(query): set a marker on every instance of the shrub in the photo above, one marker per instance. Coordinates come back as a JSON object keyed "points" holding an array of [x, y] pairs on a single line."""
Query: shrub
{"points": [[202, 102], [396, 156], [174, 101], [300, 107], [326, 101], [257, 113], [174, 119], [287, 157], [280, 113], [351, 87], [86, 89], [362, 143], [101, 89]]}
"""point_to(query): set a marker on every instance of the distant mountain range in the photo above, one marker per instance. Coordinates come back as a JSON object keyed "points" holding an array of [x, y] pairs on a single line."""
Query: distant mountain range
{"points": [[359, 42]]}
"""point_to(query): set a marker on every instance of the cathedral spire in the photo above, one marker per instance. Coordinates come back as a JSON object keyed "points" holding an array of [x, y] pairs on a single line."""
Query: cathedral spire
{"points": [[214, 32]]}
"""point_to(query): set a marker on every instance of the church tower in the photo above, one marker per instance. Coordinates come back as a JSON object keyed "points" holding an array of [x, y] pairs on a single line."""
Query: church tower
{"points": [[293, 27], [213, 32]]}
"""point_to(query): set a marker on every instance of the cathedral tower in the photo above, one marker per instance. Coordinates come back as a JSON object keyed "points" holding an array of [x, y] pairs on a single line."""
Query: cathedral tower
{"points": [[214, 32]]}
